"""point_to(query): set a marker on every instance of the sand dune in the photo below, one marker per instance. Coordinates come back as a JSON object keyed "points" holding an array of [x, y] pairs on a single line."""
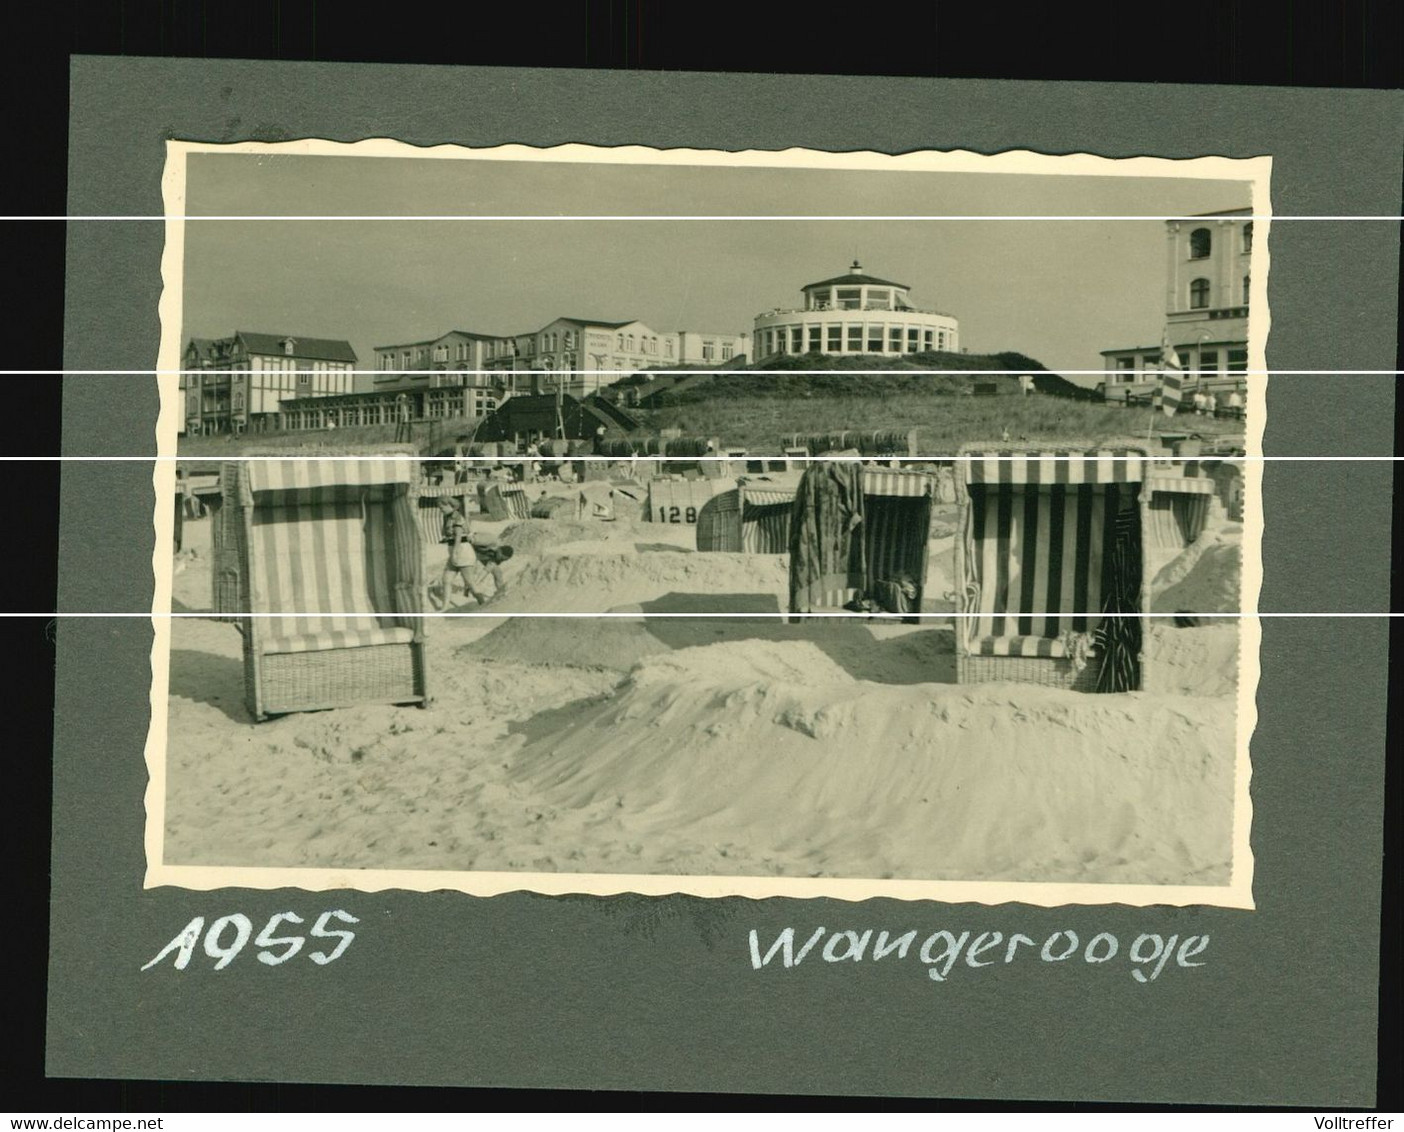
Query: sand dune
{"points": [[920, 781]]}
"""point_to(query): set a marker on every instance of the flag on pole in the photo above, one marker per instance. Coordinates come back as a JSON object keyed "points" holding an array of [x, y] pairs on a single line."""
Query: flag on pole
{"points": [[1171, 377]]}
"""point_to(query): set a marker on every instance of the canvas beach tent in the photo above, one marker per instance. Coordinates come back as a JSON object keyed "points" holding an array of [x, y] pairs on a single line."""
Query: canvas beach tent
{"points": [[498, 501], [859, 533], [753, 517], [1183, 499], [1050, 568], [329, 576]]}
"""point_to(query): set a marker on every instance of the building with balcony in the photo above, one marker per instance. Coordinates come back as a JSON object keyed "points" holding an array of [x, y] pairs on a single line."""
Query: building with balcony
{"points": [[581, 356], [1208, 268], [238, 384], [855, 313]]}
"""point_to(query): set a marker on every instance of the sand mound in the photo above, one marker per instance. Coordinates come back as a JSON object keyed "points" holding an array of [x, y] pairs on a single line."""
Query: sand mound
{"points": [[535, 536], [1207, 578], [633, 582], [1192, 662], [610, 643], [835, 776]]}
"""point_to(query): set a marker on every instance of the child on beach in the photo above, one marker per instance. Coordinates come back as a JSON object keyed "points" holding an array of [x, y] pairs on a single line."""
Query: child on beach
{"points": [[465, 559]]}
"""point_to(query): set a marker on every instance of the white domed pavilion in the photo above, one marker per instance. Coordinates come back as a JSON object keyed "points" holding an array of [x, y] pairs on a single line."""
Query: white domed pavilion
{"points": [[856, 313]]}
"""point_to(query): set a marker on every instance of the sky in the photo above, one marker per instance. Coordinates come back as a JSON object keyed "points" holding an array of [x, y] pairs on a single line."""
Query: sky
{"points": [[1058, 291]]}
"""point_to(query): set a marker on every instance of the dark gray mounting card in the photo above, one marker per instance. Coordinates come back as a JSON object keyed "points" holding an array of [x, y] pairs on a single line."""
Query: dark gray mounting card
{"points": [[627, 846]]}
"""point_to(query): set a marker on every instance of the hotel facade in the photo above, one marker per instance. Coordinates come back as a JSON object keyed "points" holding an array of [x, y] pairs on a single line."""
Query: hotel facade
{"points": [[855, 313], [580, 356], [1208, 271]]}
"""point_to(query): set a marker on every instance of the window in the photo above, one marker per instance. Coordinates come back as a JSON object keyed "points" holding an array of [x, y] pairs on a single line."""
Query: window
{"points": [[619, 342], [709, 351], [1200, 242], [879, 300], [835, 339], [875, 339], [1209, 361], [797, 340], [816, 339], [1237, 361], [850, 298], [1199, 294], [894, 339], [289, 346], [1246, 278], [855, 339], [406, 357], [819, 300], [1248, 236], [913, 339], [668, 347], [940, 340]]}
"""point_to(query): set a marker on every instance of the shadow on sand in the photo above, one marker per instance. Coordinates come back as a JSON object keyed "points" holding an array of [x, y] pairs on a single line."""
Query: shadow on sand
{"points": [[881, 651], [209, 679]]}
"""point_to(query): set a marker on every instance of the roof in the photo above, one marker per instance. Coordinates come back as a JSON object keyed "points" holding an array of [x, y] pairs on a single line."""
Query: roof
{"points": [[855, 276], [1225, 212], [537, 412], [203, 347], [320, 349], [596, 322], [438, 338]]}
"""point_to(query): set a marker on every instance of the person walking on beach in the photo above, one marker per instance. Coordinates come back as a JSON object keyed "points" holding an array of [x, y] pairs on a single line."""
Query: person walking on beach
{"points": [[464, 558]]}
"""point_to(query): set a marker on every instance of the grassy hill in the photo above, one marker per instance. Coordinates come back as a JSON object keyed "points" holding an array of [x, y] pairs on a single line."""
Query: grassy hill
{"points": [[941, 421], [753, 410]]}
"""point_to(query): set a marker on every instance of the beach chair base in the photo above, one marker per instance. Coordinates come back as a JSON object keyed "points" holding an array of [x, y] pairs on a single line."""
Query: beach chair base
{"points": [[333, 678], [1049, 672]]}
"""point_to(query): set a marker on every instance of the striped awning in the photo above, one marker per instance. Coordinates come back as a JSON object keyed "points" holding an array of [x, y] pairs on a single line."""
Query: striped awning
{"points": [[1181, 485], [1099, 466], [769, 497], [907, 484], [452, 490], [302, 474]]}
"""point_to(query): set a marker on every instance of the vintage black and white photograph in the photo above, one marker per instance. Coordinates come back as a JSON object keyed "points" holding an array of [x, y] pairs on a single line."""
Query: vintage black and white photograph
{"points": [[609, 520]]}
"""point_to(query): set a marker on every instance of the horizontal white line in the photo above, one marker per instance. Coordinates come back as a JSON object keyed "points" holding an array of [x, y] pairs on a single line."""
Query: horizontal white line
{"points": [[705, 217], [1021, 455], [728, 616], [668, 372]]}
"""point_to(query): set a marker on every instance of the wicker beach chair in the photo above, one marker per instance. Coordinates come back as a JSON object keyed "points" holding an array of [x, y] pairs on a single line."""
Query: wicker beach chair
{"points": [[1045, 540], [330, 580]]}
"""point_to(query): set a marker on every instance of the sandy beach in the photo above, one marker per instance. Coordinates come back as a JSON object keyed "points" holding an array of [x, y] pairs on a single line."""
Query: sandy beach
{"points": [[741, 747]]}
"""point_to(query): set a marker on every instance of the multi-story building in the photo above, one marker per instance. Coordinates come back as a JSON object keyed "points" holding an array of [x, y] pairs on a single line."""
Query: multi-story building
{"points": [[453, 360], [1207, 277], [238, 384], [581, 356], [855, 313]]}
